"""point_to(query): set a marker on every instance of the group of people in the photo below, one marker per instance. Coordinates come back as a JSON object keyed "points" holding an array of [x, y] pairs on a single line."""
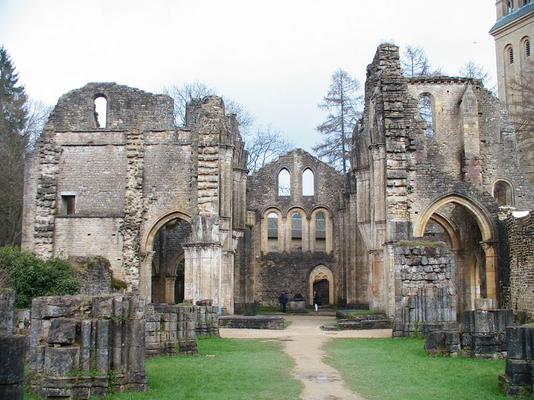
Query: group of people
{"points": [[283, 299]]}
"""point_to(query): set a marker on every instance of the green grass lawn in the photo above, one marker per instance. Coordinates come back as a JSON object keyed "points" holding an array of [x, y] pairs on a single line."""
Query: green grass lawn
{"points": [[224, 369], [399, 369]]}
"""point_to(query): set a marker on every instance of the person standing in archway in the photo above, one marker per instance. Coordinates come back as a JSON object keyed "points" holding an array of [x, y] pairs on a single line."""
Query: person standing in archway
{"points": [[316, 301]]}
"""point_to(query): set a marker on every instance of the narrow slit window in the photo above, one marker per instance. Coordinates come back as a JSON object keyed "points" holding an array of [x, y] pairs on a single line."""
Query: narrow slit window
{"points": [[284, 183], [427, 114], [527, 47], [101, 111], [510, 55], [308, 183], [69, 204]]}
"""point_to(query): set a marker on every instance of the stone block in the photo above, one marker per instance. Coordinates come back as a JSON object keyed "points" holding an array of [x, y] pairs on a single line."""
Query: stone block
{"points": [[61, 361], [7, 311], [62, 331]]}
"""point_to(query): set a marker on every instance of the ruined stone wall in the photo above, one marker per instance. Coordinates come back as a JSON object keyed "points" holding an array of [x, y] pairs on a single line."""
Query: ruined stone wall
{"points": [[424, 287], [520, 233], [130, 175], [290, 272], [400, 170], [288, 265], [83, 346]]}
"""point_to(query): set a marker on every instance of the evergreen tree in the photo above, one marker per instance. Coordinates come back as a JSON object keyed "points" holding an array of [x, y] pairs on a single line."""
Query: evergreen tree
{"points": [[13, 142], [342, 102]]}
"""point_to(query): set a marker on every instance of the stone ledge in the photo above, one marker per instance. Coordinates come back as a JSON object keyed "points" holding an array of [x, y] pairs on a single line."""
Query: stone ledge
{"points": [[252, 322]]}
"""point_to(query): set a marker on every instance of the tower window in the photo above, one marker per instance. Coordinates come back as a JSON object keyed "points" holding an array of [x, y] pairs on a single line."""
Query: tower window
{"points": [[510, 55], [509, 6], [101, 110], [527, 47]]}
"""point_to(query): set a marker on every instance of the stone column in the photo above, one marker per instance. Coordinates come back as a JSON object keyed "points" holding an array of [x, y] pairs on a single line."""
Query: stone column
{"points": [[491, 266]]}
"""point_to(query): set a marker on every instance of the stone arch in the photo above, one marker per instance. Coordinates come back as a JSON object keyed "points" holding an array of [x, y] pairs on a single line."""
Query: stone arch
{"points": [[487, 233], [450, 229], [320, 273], [479, 213], [266, 246], [503, 192], [147, 252], [290, 243], [329, 230]]}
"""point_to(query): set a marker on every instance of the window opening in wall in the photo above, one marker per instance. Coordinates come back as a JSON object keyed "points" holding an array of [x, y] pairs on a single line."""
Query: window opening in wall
{"points": [[272, 226], [510, 55], [502, 192], [101, 108], [272, 232], [426, 113], [308, 183], [320, 231], [284, 183], [527, 47], [69, 204], [509, 6], [296, 226]]}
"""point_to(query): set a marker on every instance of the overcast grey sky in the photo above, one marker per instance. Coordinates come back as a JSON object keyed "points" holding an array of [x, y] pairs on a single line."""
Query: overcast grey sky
{"points": [[274, 57]]}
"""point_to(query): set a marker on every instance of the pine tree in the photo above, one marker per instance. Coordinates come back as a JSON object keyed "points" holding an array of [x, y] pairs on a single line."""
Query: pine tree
{"points": [[342, 102], [13, 142]]}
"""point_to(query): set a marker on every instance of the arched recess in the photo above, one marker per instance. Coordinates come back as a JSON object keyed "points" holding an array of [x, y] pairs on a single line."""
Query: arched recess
{"points": [[327, 246], [293, 242], [269, 244], [486, 244], [449, 228], [147, 250], [503, 192], [319, 275]]}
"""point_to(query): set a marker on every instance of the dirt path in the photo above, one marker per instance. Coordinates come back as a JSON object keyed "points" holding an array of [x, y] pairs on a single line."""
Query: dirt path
{"points": [[304, 341]]}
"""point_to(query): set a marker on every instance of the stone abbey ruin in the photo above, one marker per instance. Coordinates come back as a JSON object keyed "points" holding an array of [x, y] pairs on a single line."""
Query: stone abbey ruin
{"points": [[429, 227], [178, 217]]}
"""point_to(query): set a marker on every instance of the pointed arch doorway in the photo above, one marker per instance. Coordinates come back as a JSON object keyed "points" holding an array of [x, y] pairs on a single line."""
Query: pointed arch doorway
{"points": [[321, 281]]}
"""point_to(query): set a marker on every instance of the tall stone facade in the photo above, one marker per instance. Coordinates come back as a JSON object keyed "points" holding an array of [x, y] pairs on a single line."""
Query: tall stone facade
{"points": [[433, 158], [295, 248], [107, 187], [179, 218]]}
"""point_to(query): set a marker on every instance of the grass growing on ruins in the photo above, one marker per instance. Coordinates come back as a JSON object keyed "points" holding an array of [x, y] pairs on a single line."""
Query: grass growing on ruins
{"points": [[400, 369], [224, 369]]}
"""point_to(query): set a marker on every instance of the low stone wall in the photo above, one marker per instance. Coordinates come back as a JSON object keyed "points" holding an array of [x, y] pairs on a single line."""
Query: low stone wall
{"points": [[481, 333], [83, 346], [94, 273], [518, 379], [252, 322], [11, 350], [424, 287], [207, 320], [170, 329]]}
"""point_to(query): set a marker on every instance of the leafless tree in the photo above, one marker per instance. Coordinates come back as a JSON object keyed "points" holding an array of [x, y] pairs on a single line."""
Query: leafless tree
{"points": [[414, 62], [475, 71], [182, 95], [343, 103], [264, 146]]}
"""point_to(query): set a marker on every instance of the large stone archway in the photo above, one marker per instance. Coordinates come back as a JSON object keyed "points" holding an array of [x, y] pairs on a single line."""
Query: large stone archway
{"points": [[321, 273], [486, 242], [147, 250]]}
